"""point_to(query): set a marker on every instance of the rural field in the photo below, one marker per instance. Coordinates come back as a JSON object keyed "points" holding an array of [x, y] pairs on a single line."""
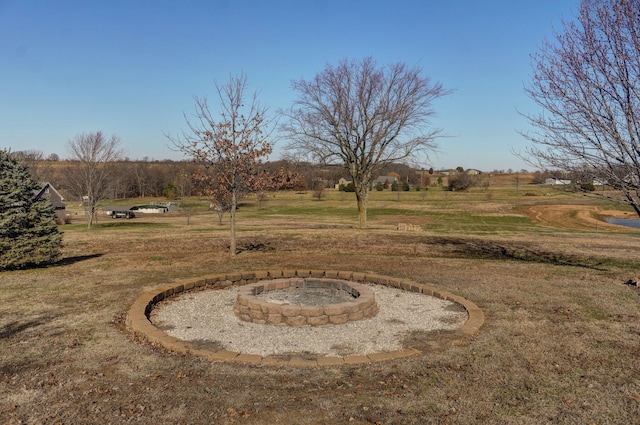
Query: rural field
{"points": [[560, 344]]}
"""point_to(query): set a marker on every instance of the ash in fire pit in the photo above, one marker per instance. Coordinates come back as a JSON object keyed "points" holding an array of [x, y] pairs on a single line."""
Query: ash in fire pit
{"points": [[306, 296], [302, 302]]}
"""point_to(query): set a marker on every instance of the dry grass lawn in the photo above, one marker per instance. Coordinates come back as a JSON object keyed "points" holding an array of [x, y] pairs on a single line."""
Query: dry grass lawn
{"points": [[561, 344]]}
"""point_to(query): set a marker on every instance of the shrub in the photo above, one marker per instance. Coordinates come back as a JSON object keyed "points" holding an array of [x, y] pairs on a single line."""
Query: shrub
{"points": [[461, 182], [318, 190], [170, 191], [349, 187], [587, 187]]}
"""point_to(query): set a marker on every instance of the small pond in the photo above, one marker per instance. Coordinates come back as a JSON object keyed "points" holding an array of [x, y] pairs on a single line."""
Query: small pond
{"points": [[624, 222]]}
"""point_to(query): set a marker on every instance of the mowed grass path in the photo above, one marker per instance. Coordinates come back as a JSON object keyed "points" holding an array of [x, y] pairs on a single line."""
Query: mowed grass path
{"points": [[560, 346]]}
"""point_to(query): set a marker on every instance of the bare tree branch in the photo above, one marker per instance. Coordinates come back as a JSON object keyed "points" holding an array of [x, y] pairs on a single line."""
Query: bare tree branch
{"points": [[587, 83]]}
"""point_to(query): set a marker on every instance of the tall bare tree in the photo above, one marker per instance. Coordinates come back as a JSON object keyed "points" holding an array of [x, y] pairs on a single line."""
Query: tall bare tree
{"points": [[89, 180], [231, 143], [587, 82], [362, 117]]}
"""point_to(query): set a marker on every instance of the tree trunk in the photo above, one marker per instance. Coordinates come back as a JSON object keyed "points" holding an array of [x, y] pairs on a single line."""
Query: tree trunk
{"points": [[362, 207], [361, 183], [637, 209], [232, 214], [88, 212], [362, 213]]}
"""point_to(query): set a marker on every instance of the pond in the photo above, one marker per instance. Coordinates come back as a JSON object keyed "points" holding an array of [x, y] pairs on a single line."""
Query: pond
{"points": [[624, 222]]}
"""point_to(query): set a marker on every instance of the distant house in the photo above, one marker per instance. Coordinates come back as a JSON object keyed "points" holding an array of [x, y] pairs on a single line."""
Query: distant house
{"points": [[388, 180], [144, 209], [47, 191], [557, 182], [342, 182], [150, 209], [319, 182]]}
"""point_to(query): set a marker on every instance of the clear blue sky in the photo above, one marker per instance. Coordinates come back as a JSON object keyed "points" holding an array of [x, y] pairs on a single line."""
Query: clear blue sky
{"points": [[131, 67]]}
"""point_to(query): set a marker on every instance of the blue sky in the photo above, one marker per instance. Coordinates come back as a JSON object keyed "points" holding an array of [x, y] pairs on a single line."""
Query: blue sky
{"points": [[131, 68]]}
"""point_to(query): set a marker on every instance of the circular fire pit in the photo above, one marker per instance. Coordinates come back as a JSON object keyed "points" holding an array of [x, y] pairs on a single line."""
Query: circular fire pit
{"points": [[304, 302]]}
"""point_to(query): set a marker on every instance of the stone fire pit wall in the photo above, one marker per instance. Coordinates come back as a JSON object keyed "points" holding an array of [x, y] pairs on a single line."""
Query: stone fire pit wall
{"points": [[252, 308]]}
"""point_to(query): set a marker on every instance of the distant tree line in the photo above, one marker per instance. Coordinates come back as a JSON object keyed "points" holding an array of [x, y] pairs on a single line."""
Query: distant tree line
{"points": [[139, 178], [175, 179]]}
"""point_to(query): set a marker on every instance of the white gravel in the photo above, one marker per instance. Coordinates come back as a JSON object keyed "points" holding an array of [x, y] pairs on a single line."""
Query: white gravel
{"points": [[208, 315]]}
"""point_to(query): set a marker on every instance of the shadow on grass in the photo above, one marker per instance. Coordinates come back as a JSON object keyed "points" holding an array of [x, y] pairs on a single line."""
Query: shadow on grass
{"points": [[480, 249], [75, 259], [108, 225], [62, 262], [130, 224], [14, 328], [18, 358]]}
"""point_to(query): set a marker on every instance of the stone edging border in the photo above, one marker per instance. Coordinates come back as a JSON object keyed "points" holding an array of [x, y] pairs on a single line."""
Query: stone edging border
{"points": [[138, 316]]}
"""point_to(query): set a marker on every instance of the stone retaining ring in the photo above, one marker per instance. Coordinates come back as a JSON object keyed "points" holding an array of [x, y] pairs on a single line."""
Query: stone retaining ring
{"points": [[252, 306], [138, 316]]}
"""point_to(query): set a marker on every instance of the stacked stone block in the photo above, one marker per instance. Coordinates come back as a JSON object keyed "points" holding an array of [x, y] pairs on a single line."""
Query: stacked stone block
{"points": [[252, 308]]}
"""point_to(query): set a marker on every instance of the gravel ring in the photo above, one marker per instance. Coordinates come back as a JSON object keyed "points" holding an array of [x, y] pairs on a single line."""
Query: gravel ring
{"points": [[208, 316]]}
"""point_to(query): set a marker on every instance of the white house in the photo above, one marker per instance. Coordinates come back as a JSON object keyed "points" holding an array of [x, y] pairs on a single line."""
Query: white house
{"points": [[557, 182], [342, 182], [150, 209]]}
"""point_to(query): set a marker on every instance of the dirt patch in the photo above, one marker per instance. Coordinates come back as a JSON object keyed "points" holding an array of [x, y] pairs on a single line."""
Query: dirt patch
{"points": [[579, 217]]}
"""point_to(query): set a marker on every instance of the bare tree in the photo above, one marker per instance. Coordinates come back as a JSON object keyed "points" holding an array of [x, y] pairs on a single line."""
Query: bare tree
{"points": [[363, 117], [40, 170], [587, 82], [230, 143], [141, 174], [183, 181], [90, 179]]}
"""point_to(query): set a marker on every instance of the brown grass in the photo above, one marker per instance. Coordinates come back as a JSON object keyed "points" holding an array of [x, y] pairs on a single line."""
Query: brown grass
{"points": [[561, 343]]}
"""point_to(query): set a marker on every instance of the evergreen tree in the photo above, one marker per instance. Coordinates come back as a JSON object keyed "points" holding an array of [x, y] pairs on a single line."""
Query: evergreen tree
{"points": [[28, 233]]}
